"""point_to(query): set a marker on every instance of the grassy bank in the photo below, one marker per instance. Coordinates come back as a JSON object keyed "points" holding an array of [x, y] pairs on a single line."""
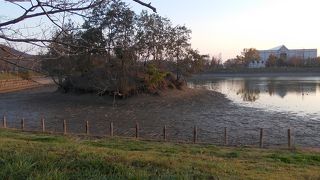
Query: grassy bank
{"points": [[6, 76], [36, 156], [21, 75]]}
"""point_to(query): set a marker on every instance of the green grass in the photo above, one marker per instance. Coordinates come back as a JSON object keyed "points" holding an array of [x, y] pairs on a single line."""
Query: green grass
{"points": [[23, 75], [5, 76], [40, 156]]}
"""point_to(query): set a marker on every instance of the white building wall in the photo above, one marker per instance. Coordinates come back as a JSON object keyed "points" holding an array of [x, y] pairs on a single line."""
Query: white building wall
{"points": [[300, 53], [264, 55]]}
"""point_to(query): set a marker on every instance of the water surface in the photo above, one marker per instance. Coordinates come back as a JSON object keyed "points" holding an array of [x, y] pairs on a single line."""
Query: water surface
{"points": [[294, 95]]}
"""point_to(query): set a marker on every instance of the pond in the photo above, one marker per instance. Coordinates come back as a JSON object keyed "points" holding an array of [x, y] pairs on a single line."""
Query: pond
{"points": [[243, 105], [294, 95]]}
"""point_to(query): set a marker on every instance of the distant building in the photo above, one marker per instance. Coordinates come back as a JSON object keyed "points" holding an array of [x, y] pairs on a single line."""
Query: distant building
{"points": [[285, 53]]}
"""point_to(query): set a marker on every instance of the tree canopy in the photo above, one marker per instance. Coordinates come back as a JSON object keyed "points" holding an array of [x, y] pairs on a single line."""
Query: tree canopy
{"points": [[119, 51]]}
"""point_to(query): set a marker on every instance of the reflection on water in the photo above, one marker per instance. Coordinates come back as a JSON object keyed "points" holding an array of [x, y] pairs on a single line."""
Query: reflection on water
{"points": [[249, 95], [290, 94]]}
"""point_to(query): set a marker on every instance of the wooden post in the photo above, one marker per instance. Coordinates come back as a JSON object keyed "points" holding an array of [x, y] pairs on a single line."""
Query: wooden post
{"points": [[225, 136], [289, 138], [87, 127], [4, 121], [195, 134], [111, 129], [261, 138], [43, 125], [64, 127], [164, 133], [137, 130], [22, 124]]}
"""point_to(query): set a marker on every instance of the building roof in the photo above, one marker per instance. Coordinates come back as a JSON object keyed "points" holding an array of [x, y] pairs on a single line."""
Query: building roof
{"points": [[278, 48]]}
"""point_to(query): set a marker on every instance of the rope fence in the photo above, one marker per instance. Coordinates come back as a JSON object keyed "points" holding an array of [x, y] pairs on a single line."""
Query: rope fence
{"points": [[256, 137]]}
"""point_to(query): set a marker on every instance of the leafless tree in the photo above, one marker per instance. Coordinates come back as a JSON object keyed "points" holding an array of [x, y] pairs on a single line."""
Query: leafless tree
{"points": [[14, 31]]}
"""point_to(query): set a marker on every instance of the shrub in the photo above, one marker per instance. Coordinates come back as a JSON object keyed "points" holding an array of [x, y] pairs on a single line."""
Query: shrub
{"points": [[26, 75]]}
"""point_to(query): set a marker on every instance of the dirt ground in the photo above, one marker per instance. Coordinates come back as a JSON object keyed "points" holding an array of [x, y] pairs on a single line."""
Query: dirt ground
{"points": [[179, 110]]}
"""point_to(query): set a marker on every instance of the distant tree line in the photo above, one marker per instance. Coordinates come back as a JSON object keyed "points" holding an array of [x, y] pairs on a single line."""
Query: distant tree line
{"points": [[274, 61], [251, 54]]}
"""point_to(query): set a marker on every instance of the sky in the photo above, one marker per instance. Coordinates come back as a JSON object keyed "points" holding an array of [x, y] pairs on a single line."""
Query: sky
{"points": [[229, 26], [226, 27]]}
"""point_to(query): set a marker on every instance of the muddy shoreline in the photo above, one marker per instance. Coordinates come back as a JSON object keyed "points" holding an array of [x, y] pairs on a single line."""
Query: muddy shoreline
{"points": [[180, 111]]}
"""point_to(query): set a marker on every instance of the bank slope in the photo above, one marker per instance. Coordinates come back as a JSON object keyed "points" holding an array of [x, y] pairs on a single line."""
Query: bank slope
{"points": [[41, 156]]}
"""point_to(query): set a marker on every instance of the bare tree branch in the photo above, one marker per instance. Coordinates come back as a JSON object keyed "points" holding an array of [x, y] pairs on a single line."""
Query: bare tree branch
{"points": [[23, 67], [26, 16], [146, 5], [43, 8], [71, 9]]}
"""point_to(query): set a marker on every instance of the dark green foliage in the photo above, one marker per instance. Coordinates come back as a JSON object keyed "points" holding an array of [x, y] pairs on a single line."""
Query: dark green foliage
{"points": [[297, 158], [156, 78]]}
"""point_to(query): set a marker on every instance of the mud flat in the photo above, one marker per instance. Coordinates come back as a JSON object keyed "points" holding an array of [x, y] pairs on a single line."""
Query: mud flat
{"points": [[179, 110]]}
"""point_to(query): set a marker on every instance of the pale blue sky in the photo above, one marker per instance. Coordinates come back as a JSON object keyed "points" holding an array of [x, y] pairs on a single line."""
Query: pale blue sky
{"points": [[228, 26]]}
